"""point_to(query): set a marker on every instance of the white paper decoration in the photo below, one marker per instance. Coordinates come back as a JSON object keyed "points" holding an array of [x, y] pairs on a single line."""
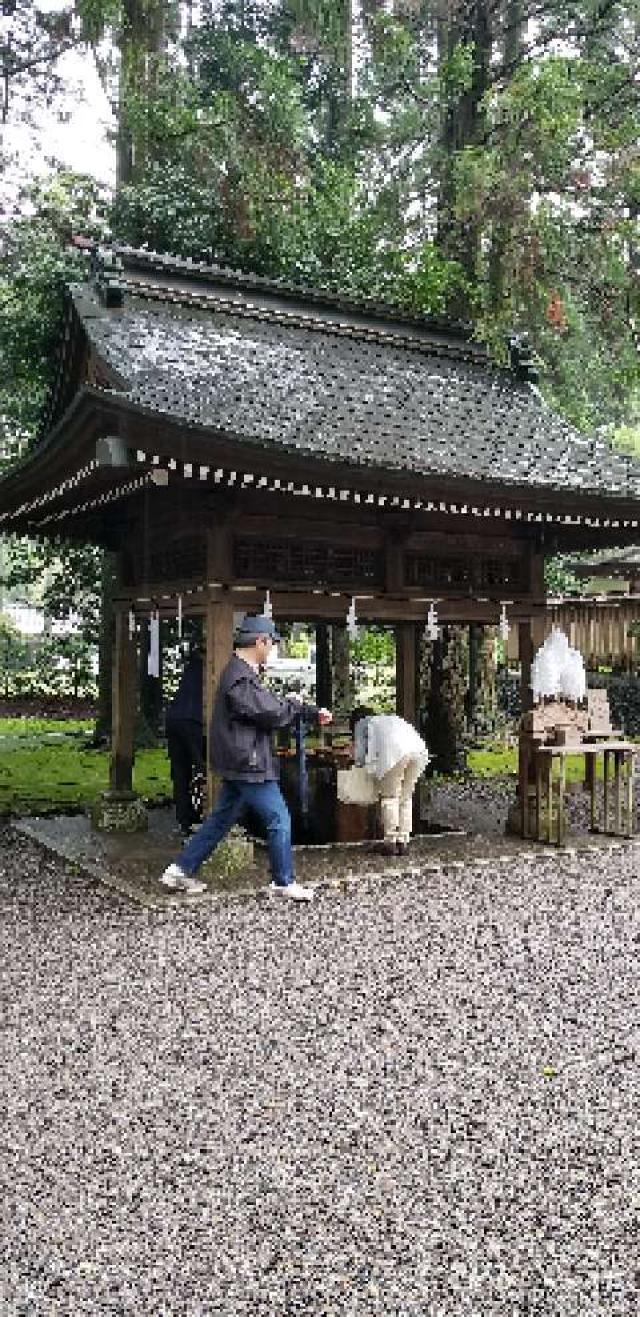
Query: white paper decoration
{"points": [[153, 661], [558, 670], [432, 628]]}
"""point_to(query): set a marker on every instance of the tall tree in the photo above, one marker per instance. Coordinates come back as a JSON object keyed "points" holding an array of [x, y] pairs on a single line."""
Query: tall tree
{"points": [[38, 260]]}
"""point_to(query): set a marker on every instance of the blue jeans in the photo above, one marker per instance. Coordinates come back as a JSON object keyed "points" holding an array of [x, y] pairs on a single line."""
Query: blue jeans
{"points": [[267, 800]]}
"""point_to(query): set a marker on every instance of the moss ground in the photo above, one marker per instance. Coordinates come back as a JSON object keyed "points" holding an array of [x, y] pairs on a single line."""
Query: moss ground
{"points": [[45, 767]]}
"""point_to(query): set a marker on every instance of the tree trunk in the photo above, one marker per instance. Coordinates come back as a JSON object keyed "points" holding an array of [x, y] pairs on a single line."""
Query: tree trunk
{"points": [[341, 672], [324, 687], [481, 699], [462, 125], [443, 684], [502, 225], [142, 42], [340, 80]]}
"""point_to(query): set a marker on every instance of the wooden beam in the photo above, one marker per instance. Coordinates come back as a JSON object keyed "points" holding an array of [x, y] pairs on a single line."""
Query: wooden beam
{"points": [[293, 604], [124, 704]]}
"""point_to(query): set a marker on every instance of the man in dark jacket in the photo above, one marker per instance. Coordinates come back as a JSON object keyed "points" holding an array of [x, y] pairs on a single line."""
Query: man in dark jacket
{"points": [[184, 727], [244, 718]]}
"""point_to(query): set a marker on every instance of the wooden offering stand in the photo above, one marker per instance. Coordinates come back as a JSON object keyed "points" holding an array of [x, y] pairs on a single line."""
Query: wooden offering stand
{"points": [[550, 733]]}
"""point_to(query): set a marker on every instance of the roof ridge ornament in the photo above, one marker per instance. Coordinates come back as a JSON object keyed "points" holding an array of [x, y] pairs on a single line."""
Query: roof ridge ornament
{"points": [[521, 358], [107, 271]]}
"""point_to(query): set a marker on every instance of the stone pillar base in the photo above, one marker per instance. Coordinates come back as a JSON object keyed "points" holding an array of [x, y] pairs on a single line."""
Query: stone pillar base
{"points": [[233, 856], [119, 811]]}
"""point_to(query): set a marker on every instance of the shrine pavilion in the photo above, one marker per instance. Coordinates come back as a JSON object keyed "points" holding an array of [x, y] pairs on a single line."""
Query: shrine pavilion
{"points": [[227, 435]]}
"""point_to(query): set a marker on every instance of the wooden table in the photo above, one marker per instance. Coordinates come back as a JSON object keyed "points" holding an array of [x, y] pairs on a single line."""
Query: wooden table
{"points": [[550, 818]]}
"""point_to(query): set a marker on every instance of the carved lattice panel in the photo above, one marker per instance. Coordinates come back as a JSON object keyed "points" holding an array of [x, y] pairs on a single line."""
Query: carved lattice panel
{"points": [[464, 574], [438, 573], [501, 574], [306, 561], [181, 560]]}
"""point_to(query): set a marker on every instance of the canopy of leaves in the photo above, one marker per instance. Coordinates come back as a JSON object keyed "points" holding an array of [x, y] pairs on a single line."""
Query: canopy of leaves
{"points": [[238, 174], [37, 261]]}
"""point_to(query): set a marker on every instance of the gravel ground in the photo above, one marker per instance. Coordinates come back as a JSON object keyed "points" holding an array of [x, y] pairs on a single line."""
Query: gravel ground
{"points": [[416, 1098]]}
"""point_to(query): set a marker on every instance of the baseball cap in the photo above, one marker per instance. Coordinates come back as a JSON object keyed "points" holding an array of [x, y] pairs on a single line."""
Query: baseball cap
{"points": [[253, 626]]}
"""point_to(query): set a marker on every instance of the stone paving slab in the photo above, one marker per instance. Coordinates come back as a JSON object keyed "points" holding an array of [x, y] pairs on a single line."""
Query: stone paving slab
{"points": [[131, 863]]}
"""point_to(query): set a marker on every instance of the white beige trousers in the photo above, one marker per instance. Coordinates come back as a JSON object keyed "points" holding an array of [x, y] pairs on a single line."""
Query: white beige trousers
{"points": [[396, 797]]}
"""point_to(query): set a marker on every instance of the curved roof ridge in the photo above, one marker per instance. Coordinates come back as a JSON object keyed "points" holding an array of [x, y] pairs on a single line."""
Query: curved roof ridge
{"points": [[292, 316]]}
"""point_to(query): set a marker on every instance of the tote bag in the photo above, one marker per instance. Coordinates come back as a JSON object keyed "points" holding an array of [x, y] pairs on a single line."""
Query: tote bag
{"points": [[356, 786]]}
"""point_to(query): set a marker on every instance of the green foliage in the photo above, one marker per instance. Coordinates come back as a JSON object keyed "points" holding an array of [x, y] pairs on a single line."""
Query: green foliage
{"points": [[560, 580], [63, 776], [13, 731], [559, 268], [298, 646], [502, 761], [235, 174], [39, 260], [373, 645], [66, 577], [456, 69], [37, 263], [627, 437], [393, 49], [493, 761], [14, 655], [33, 38], [98, 15], [54, 667]]}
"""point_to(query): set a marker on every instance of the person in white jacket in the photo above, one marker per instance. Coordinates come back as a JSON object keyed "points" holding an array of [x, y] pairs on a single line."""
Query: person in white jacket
{"points": [[392, 751]]}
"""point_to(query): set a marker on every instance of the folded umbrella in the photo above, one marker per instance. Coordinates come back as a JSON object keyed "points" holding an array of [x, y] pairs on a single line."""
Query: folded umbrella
{"points": [[301, 761]]}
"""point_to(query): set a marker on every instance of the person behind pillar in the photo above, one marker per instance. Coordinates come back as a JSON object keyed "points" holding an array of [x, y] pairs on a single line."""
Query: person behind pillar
{"points": [[391, 750], [245, 716], [184, 727]]}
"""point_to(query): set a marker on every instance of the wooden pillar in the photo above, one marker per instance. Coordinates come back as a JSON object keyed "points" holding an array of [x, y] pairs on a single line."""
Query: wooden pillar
{"points": [[525, 644], [124, 704], [219, 648], [407, 692]]}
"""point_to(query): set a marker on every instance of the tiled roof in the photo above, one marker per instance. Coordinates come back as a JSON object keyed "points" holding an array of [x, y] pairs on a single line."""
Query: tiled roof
{"points": [[299, 373]]}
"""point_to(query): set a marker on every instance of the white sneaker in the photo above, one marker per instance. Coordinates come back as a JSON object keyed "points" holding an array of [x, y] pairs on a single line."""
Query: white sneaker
{"points": [[176, 878], [294, 891]]}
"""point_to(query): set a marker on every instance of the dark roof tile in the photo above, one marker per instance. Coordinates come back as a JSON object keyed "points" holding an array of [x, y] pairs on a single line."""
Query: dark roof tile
{"points": [[296, 381]]}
